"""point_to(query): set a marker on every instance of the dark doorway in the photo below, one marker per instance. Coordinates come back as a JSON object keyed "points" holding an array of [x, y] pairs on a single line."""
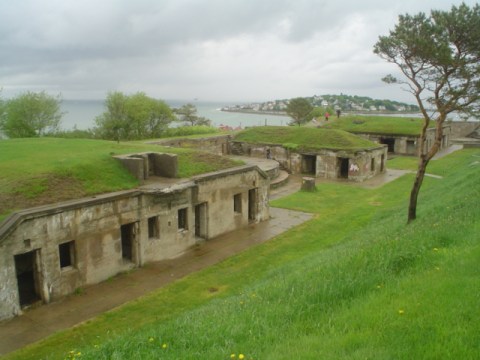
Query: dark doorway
{"points": [[343, 168], [252, 204], [128, 235], [26, 269], [390, 142], [382, 163], [201, 220], [309, 164]]}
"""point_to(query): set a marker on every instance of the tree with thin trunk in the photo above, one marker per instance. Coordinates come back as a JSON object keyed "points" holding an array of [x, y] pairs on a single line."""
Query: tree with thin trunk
{"points": [[299, 109], [439, 58], [188, 114]]}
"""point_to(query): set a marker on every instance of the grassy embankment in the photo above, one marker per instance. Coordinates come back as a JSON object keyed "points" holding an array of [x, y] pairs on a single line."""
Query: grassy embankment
{"points": [[294, 137], [45, 170], [353, 283], [377, 124]]}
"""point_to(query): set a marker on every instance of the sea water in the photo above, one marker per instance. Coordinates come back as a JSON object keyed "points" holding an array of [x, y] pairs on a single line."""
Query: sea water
{"points": [[81, 114]]}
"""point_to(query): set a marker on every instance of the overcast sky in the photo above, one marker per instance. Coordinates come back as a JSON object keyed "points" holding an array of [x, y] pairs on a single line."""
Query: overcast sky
{"points": [[217, 50]]}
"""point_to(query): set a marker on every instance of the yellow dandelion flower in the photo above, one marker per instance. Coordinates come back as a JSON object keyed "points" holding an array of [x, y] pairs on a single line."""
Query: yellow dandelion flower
{"points": [[150, 339], [241, 356], [401, 312], [232, 356], [164, 346], [79, 354]]}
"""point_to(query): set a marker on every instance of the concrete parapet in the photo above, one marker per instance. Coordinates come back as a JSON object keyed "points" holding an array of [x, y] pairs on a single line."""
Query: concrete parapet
{"points": [[142, 165]]}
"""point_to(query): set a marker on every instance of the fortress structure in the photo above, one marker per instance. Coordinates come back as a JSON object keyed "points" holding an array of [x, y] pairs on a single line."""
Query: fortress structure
{"points": [[48, 252]]}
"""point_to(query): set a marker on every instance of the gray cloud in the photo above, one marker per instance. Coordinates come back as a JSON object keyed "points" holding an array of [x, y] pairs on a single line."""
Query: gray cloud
{"points": [[212, 49]]}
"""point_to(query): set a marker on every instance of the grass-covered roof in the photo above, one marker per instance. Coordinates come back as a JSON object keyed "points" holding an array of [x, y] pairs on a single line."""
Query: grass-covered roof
{"points": [[411, 126], [304, 138], [39, 171]]}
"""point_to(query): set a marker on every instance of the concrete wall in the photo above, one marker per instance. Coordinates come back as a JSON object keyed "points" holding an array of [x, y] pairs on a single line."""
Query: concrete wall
{"points": [[94, 226], [461, 129], [326, 162]]}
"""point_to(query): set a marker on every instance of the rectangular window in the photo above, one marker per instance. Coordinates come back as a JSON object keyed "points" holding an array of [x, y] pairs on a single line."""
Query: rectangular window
{"points": [[237, 203], [67, 254], [153, 227], [182, 219]]}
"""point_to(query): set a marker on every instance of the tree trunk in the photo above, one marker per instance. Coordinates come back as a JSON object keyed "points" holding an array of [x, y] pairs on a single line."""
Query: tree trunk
{"points": [[425, 156], [417, 184]]}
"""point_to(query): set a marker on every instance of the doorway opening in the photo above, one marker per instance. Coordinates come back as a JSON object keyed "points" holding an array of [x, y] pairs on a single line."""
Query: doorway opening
{"points": [[309, 164], [27, 278], [390, 142], [128, 236], [382, 163], [252, 204], [201, 220], [343, 168]]}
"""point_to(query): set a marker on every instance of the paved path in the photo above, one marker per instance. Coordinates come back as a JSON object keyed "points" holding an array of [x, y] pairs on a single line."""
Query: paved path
{"points": [[40, 322]]}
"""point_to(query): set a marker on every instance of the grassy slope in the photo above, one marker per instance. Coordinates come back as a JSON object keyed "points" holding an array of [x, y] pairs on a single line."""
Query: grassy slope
{"points": [[377, 124], [34, 170], [304, 138], [353, 283]]}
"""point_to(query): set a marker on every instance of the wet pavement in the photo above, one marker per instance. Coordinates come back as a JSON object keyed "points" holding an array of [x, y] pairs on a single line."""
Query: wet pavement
{"points": [[42, 321]]}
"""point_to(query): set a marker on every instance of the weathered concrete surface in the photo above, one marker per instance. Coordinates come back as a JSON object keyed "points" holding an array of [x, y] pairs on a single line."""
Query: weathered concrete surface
{"points": [[40, 322]]}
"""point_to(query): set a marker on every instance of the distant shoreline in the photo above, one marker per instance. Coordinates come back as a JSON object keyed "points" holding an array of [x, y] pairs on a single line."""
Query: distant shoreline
{"points": [[247, 111], [283, 113]]}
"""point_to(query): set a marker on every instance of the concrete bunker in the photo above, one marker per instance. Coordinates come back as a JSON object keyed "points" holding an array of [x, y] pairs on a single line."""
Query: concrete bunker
{"points": [[353, 165], [49, 251]]}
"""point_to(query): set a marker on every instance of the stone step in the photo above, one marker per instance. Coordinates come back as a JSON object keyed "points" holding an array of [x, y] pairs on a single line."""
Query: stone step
{"points": [[280, 180]]}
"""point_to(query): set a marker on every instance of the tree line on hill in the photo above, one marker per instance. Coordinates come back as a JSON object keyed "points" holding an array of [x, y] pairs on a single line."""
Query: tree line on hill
{"points": [[126, 117]]}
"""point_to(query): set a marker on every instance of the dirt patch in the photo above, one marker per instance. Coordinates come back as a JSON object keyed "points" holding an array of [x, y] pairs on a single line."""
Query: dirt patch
{"points": [[40, 190]]}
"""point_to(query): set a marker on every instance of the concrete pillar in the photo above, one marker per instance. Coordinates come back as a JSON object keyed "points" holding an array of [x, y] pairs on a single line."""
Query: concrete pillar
{"points": [[308, 184]]}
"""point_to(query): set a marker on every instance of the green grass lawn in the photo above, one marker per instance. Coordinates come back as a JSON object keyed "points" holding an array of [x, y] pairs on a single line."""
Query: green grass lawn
{"points": [[355, 282], [377, 124], [304, 138], [42, 170]]}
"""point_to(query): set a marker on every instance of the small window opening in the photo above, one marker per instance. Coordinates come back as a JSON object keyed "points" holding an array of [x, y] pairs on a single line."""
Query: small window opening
{"points": [[372, 164], [153, 227], [237, 203], [67, 254]]}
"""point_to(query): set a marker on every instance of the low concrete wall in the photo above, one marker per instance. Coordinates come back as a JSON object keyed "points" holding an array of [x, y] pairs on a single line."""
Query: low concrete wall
{"points": [[165, 165], [461, 129]]}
